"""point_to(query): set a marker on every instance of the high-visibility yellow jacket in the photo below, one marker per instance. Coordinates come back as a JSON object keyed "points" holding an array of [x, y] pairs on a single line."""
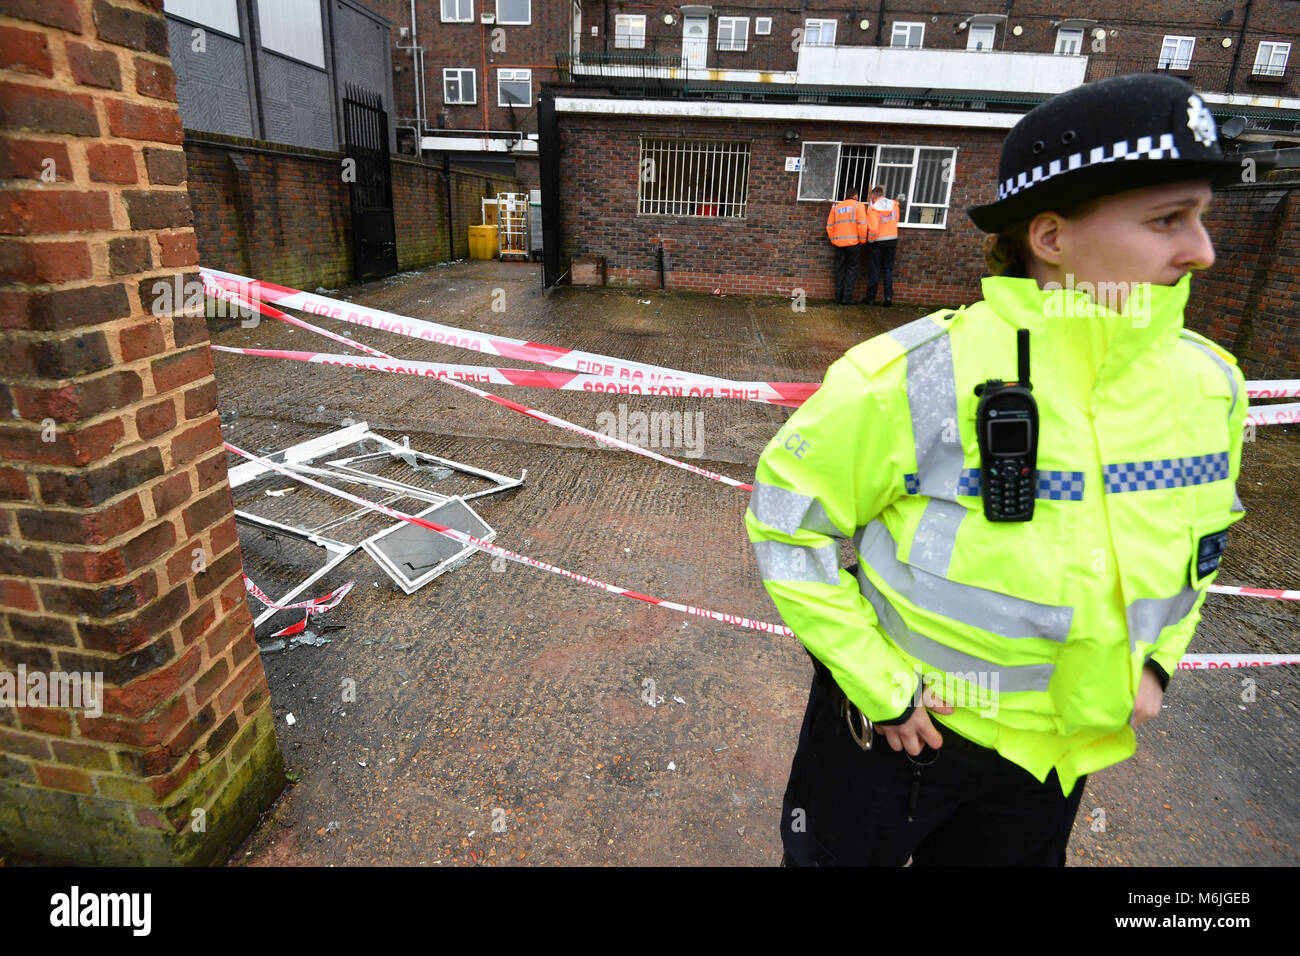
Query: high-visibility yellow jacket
{"points": [[1038, 631], [882, 220], [846, 224]]}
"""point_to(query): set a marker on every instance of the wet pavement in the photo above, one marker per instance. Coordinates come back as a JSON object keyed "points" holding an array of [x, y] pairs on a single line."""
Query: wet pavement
{"points": [[505, 715]]}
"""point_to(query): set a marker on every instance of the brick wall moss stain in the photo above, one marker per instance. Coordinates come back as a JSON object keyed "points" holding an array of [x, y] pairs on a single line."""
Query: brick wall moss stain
{"points": [[233, 789]]}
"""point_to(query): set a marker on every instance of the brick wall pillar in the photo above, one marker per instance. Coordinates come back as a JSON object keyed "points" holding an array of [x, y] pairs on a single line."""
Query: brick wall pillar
{"points": [[118, 552]]}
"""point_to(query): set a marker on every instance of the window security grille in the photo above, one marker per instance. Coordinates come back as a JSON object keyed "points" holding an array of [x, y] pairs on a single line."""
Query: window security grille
{"points": [[703, 178]]}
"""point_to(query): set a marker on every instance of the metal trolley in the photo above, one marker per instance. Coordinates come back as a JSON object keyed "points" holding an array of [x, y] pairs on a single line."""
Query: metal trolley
{"points": [[512, 224]]}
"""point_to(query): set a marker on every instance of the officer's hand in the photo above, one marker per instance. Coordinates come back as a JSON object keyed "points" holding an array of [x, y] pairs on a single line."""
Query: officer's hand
{"points": [[1149, 697], [918, 730]]}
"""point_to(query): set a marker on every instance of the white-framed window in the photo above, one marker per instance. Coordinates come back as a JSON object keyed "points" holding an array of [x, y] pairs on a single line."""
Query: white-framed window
{"points": [[733, 33], [980, 37], [919, 178], [762, 26], [514, 87], [1176, 53], [629, 31], [457, 11], [1069, 41], [693, 177], [819, 32], [907, 35], [459, 87], [518, 12], [1270, 59]]}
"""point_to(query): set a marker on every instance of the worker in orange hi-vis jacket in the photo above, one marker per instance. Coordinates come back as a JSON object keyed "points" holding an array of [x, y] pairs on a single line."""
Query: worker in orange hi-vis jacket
{"points": [[882, 244], [846, 227]]}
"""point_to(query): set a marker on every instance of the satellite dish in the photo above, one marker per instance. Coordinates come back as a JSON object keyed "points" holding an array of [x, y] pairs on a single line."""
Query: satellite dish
{"points": [[1225, 17], [1233, 127]]}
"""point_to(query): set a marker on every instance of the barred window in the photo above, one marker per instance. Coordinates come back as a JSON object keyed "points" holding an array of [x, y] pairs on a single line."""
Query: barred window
{"points": [[679, 177]]}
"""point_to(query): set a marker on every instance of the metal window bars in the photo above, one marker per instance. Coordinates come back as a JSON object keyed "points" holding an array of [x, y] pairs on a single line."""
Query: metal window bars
{"points": [[693, 178]]}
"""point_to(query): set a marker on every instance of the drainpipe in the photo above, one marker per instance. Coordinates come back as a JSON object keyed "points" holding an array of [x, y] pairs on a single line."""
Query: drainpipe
{"points": [[451, 231], [415, 83], [1236, 56]]}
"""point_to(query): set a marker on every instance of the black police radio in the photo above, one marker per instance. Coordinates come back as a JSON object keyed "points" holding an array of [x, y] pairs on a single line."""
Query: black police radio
{"points": [[1006, 423]]}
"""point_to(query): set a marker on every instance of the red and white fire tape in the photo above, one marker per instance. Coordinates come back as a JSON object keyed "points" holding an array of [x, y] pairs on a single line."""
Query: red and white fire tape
{"points": [[619, 371], [1277, 388], [1288, 414], [1191, 661], [1276, 593], [275, 313], [468, 539], [314, 606], [1212, 661], [538, 378]]}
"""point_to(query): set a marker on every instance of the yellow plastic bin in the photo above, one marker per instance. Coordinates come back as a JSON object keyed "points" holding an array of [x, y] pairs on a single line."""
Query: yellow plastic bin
{"points": [[482, 242]]}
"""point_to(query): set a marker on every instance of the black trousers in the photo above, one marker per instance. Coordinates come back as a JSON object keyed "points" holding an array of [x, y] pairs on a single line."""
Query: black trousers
{"points": [[846, 272], [848, 807], [880, 259]]}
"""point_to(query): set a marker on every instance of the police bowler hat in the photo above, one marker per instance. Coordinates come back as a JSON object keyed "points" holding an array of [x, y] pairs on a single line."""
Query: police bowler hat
{"points": [[1104, 138]]}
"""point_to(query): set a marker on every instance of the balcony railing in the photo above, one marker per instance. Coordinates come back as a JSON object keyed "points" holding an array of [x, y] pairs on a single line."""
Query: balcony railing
{"points": [[1207, 77], [680, 54]]}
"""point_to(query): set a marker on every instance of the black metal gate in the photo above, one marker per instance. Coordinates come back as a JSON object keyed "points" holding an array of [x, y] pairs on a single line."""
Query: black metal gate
{"points": [[374, 233]]}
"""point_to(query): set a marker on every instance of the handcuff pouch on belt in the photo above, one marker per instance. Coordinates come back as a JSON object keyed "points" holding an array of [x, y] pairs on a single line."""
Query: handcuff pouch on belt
{"points": [[860, 728]]}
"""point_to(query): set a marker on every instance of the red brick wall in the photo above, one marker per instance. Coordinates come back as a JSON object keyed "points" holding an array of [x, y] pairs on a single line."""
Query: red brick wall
{"points": [[781, 244], [1250, 300], [118, 552], [283, 214]]}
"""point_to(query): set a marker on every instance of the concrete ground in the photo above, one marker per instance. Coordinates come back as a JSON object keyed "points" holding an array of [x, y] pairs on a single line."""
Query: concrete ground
{"points": [[502, 714]]}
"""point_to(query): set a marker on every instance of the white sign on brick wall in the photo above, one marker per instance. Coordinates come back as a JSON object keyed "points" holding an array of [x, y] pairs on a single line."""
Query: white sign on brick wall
{"points": [[792, 164]]}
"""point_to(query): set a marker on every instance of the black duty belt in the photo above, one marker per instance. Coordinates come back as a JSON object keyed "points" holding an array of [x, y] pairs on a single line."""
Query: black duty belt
{"points": [[861, 728]]}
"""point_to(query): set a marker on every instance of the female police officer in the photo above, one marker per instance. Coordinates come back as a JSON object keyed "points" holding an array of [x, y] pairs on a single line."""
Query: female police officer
{"points": [[1025, 584]]}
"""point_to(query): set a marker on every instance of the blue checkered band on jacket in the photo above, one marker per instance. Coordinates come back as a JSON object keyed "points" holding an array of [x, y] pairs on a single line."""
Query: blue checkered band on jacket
{"points": [[1166, 473], [1052, 485], [1143, 149]]}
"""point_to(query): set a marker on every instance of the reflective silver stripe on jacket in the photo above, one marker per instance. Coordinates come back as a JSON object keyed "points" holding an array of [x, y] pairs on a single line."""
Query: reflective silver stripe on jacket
{"points": [[932, 402], [1000, 614], [1147, 617], [1223, 366], [941, 656], [788, 511], [778, 561]]}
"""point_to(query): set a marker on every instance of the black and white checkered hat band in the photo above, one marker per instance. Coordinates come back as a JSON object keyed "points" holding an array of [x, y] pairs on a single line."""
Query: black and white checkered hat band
{"points": [[1144, 149]]}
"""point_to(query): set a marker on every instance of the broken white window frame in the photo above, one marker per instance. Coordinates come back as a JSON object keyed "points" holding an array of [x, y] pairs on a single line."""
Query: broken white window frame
{"points": [[412, 583], [295, 458], [339, 551]]}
